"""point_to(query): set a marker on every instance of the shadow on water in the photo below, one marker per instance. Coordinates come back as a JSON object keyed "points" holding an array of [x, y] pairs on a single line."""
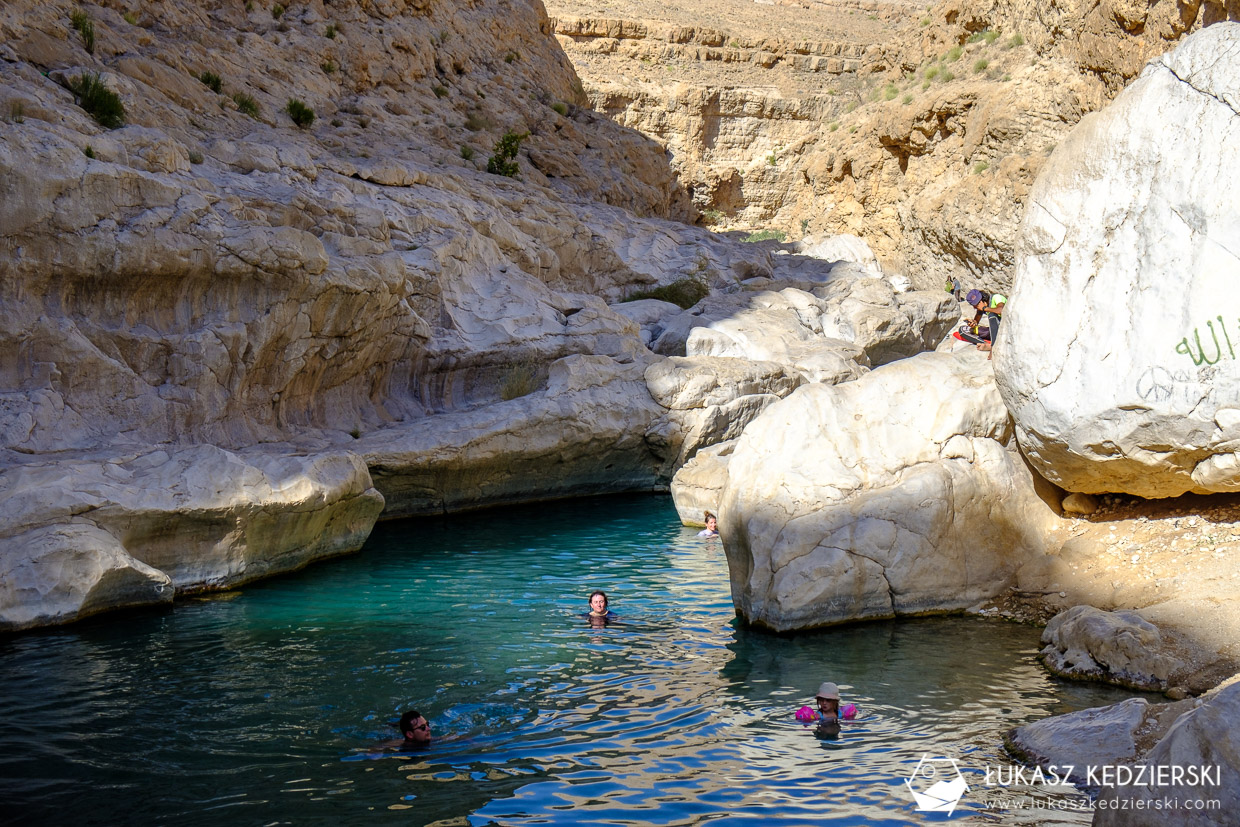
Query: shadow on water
{"points": [[273, 704]]}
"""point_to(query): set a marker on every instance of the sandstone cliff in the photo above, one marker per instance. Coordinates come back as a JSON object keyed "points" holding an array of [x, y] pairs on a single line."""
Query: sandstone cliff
{"points": [[923, 134], [206, 309]]}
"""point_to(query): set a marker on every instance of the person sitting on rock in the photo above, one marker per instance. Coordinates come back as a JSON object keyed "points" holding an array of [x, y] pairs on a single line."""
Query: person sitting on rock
{"points": [[990, 305], [416, 729], [712, 526]]}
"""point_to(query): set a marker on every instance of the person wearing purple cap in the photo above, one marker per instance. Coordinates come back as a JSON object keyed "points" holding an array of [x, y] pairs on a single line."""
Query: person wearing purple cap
{"points": [[992, 306]]}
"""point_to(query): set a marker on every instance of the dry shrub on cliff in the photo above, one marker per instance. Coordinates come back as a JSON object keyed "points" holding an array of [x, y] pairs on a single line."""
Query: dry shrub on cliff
{"points": [[85, 27], [100, 102], [520, 379], [301, 114], [212, 81], [246, 104]]}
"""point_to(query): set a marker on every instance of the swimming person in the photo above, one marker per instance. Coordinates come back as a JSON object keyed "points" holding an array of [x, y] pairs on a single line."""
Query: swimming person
{"points": [[828, 699], [599, 614], [712, 526], [416, 729]]}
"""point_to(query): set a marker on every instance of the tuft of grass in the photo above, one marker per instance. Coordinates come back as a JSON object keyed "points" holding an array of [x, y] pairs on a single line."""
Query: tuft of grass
{"points": [[906, 100], [851, 106], [441, 91], [980, 167], [476, 121], [925, 84], [834, 125], [520, 379], [511, 56], [980, 66], [17, 112], [467, 152], [337, 122], [712, 216], [925, 21], [100, 102], [246, 104], [85, 27], [947, 76], [130, 18], [988, 35], [683, 293], [212, 81], [804, 226], [1016, 40], [330, 31], [890, 92], [89, 152], [953, 54], [560, 108], [772, 159], [328, 67], [195, 157], [933, 72], [504, 160], [765, 235], [852, 129], [276, 11], [301, 114]]}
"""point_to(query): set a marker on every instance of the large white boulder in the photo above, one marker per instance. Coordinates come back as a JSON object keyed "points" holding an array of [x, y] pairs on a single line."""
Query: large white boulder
{"points": [[896, 494], [78, 536], [710, 399], [698, 485], [1119, 355]]}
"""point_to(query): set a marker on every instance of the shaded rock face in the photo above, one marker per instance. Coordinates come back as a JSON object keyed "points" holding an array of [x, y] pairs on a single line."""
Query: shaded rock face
{"points": [[1117, 356], [88, 534], [895, 494], [1202, 737]]}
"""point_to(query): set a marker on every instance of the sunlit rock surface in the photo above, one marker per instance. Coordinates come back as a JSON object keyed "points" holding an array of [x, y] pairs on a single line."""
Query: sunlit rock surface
{"points": [[1118, 356]]}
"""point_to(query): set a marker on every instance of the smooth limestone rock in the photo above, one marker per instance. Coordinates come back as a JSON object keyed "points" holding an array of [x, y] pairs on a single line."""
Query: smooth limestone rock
{"points": [[698, 485], [1078, 503], [1206, 736], [831, 331], [1114, 647], [711, 399], [1119, 356], [842, 247], [583, 432], [84, 535], [898, 493], [1099, 737]]}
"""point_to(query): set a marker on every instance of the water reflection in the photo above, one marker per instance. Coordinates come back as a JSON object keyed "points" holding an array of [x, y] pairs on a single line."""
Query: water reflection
{"points": [[271, 705]]}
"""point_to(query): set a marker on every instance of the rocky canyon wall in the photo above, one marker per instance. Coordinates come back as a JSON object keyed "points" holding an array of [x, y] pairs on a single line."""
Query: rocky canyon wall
{"points": [[925, 143]]}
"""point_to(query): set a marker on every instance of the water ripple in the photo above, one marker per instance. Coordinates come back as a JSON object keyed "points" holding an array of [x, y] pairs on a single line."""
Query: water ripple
{"points": [[272, 704]]}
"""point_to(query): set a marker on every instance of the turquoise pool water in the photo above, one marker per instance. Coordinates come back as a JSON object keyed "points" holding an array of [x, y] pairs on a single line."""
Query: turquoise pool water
{"points": [[271, 705]]}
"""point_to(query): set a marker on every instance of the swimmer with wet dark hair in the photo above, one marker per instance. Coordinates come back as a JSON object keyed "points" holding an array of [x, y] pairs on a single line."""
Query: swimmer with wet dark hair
{"points": [[599, 614], [416, 729]]}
